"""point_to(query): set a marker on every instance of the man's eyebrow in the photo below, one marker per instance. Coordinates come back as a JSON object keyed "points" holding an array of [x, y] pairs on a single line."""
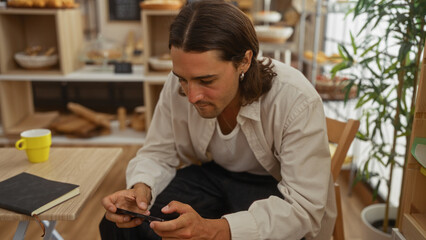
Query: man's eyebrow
{"points": [[177, 75], [198, 77]]}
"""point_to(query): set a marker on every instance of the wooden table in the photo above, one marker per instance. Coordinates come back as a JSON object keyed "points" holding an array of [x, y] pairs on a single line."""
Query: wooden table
{"points": [[85, 167]]}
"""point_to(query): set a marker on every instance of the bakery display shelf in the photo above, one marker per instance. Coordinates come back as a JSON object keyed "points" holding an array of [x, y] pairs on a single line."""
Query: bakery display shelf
{"points": [[88, 73], [127, 136], [158, 5], [32, 121], [155, 25], [22, 29], [16, 90], [31, 73], [29, 11]]}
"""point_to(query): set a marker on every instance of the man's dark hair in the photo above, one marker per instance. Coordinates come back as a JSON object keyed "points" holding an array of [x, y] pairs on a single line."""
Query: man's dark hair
{"points": [[216, 25]]}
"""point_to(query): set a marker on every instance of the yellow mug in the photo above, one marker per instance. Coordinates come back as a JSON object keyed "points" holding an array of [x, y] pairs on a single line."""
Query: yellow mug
{"points": [[36, 143]]}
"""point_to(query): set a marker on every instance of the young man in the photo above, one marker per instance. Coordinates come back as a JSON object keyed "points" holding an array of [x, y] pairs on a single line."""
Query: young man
{"points": [[247, 136]]}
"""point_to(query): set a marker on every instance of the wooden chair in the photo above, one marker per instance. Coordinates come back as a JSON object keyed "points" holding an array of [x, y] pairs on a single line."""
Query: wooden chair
{"points": [[342, 134]]}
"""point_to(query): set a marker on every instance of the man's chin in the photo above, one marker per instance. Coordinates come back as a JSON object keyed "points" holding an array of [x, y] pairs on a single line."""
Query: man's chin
{"points": [[206, 114]]}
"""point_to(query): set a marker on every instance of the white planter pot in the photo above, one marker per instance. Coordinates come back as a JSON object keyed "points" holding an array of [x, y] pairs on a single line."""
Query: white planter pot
{"points": [[373, 213]]}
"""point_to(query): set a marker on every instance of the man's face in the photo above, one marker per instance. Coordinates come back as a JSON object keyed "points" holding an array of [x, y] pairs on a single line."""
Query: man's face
{"points": [[210, 84]]}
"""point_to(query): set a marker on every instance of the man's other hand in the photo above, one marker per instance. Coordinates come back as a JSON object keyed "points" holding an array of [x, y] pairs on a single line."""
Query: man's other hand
{"points": [[190, 225]]}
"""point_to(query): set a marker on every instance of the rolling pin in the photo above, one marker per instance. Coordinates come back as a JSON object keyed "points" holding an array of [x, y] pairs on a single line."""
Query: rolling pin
{"points": [[88, 114]]}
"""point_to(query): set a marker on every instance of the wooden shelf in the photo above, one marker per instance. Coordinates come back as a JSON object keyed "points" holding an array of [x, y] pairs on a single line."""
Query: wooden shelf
{"points": [[17, 107], [62, 28], [90, 73], [29, 73], [117, 137], [155, 25], [421, 220], [29, 11], [413, 207], [35, 120], [414, 226], [22, 28]]}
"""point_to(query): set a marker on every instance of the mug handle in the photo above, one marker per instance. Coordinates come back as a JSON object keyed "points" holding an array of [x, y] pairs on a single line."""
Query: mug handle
{"points": [[20, 144]]}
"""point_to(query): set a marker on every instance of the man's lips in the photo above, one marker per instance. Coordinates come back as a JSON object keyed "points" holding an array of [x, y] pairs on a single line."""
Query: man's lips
{"points": [[202, 104]]}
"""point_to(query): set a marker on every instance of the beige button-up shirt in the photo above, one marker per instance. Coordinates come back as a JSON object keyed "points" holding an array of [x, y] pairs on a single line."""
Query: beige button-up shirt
{"points": [[286, 131]]}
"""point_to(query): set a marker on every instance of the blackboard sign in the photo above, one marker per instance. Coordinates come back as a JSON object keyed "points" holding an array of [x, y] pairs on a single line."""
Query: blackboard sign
{"points": [[124, 10]]}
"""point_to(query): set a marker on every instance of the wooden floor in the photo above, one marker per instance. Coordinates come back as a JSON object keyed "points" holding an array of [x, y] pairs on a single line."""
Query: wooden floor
{"points": [[86, 225]]}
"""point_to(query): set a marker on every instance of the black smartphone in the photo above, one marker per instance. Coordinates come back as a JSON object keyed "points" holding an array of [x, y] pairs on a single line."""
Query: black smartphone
{"points": [[138, 215]]}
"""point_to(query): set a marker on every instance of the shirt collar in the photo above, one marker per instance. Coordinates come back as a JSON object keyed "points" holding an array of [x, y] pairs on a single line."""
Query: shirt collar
{"points": [[251, 111]]}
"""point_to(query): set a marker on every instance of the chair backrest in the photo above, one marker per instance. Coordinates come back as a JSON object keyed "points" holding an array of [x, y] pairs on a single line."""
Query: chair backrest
{"points": [[342, 134]]}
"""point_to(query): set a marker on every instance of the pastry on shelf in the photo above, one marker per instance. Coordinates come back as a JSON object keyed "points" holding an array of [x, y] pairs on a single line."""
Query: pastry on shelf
{"points": [[36, 57], [20, 3], [335, 58], [273, 34], [161, 4], [161, 63], [322, 58], [101, 51], [42, 3], [39, 3], [60, 3], [267, 16], [308, 55]]}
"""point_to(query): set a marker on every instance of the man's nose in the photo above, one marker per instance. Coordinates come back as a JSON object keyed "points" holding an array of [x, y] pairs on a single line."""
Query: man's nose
{"points": [[194, 92]]}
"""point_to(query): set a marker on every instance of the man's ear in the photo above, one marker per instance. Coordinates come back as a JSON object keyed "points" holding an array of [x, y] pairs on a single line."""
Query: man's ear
{"points": [[246, 62]]}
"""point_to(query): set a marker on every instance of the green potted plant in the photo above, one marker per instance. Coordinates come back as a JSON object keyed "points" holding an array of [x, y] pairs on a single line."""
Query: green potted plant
{"points": [[385, 67]]}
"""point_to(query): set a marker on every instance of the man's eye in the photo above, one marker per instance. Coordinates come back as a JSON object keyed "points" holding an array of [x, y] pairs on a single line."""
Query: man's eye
{"points": [[181, 80], [206, 82]]}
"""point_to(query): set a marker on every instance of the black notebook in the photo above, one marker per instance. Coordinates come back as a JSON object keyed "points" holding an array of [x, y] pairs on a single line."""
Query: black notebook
{"points": [[31, 195]]}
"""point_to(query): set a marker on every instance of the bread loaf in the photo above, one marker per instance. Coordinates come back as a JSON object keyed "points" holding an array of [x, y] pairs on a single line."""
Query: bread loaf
{"points": [[88, 114], [161, 4], [42, 3]]}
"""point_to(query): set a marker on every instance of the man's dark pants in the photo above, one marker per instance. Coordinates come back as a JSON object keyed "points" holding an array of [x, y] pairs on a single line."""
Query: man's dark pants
{"points": [[210, 189]]}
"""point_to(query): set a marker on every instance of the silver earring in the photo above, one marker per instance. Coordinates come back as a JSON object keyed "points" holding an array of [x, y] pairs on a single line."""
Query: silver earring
{"points": [[242, 76]]}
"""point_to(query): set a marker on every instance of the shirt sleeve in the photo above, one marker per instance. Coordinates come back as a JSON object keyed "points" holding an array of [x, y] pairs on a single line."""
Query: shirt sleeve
{"points": [[305, 169], [156, 162]]}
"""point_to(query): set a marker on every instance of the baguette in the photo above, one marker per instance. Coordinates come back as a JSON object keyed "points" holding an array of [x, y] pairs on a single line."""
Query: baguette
{"points": [[89, 114]]}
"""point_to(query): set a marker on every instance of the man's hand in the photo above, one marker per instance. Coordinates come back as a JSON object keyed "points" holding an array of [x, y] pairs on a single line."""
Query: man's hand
{"points": [[190, 225], [135, 200]]}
